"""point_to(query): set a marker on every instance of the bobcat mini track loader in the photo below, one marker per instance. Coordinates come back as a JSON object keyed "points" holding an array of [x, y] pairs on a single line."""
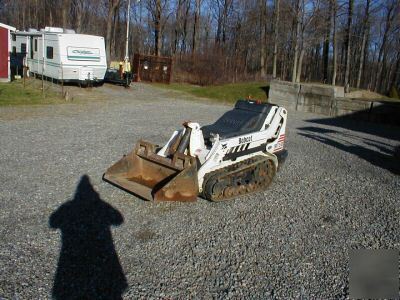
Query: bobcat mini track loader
{"points": [[239, 153]]}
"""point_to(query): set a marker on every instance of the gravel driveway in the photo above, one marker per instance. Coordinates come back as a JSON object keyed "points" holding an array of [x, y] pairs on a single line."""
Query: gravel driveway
{"points": [[65, 232]]}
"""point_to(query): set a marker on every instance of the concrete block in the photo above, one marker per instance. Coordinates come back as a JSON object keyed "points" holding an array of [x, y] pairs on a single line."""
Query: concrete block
{"points": [[354, 105], [338, 91], [322, 110], [328, 100]]}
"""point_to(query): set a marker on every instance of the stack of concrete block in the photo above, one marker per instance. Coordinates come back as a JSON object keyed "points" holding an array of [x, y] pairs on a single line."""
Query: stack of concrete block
{"points": [[331, 101]]}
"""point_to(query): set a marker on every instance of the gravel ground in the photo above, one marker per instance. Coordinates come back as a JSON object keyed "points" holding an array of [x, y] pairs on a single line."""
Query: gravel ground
{"points": [[65, 232]]}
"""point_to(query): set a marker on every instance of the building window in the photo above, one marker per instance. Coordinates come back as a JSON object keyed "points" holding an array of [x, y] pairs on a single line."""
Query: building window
{"points": [[49, 53], [23, 48], [14, 50], [35, 45], [14, 37]]}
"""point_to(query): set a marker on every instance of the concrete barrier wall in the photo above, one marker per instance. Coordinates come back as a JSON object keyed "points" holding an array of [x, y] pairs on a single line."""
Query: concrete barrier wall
{"points": [[305, 97], [331, 101], [284, 93]]}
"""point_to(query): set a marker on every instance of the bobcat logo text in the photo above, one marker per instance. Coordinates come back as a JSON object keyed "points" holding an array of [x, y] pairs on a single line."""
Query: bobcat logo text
{"points": [[246, 139]]}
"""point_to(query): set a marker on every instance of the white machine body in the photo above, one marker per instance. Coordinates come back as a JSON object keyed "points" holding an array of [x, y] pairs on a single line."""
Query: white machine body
{"points": [[216, 151]]}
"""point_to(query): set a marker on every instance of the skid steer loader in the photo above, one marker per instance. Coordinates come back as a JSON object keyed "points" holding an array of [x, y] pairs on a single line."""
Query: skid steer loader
{"points": [[238, 154]]}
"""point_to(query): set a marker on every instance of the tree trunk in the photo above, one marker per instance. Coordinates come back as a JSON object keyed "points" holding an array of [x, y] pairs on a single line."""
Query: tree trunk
{"points": [[316, 64], [394, 82], [276, 31], [363, 43], [195, 26], [157, 28], [383, 50], [298, 76], [112, 7], [348, 46], [365, 59], [334, 42], [21, 14], [226, 10], [114, 36], [296, 42], [372, 75], [36, 13], [65, 12], [326, 44], [177, 29], [185, 27], [263, 33], [51, 19], [78, 15]]}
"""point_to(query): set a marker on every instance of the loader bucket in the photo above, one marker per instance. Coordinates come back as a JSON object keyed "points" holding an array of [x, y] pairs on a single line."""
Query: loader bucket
{"points": [[153, 177]]}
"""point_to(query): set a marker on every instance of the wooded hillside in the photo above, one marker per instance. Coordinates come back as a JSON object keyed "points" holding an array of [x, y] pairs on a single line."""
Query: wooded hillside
{"points": [[346, 42]]}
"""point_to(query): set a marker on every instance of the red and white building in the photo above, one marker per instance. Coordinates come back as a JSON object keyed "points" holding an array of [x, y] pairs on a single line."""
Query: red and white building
{"points": [[5, 49]]}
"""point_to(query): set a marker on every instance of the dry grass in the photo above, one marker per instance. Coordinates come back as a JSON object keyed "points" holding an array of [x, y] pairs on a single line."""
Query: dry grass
{"points": [[223, 93], [15, 93]]}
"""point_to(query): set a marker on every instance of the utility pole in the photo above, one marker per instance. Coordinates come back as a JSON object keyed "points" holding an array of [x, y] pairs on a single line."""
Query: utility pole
{"points": [[127, 36]]}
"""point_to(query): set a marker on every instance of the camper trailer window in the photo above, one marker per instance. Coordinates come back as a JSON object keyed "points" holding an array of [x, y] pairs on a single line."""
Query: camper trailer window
{"points": [[49, 53], [35, 45], [31, 47], [23, 48]]}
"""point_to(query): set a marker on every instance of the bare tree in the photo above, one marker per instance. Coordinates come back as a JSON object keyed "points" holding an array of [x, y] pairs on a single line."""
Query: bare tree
{"points": [[223, 10], [178, 26], [263, 35], [365, 31], [216, 41], [334, 40], [185, 27], [328, 26], [66, 4], [196, 26], [112, 10], [157, 28], [382, 57], [77, 8], [276, 32], [155, 9], [348, 45], [297, 23], [308, 11]]}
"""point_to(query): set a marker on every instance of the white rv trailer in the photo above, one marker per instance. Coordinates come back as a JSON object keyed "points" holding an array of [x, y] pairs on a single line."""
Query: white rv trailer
{"points": [[63, 55]]}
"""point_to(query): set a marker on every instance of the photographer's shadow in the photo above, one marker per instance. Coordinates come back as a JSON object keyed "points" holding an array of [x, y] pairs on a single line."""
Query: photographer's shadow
{"points": [[88, 266]]}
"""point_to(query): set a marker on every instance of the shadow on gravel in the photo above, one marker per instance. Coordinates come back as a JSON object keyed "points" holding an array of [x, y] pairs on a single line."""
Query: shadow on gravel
{"points": [[384, 156], [88, 266], [266, 90], [346, 122]]}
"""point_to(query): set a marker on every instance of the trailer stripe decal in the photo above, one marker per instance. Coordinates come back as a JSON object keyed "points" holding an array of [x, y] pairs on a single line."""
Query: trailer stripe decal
{"points": [[84, 57], [64, 65]]}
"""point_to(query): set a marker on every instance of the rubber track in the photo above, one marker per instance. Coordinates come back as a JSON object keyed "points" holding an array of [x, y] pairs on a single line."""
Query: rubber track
{"points": [[214, 176]]}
